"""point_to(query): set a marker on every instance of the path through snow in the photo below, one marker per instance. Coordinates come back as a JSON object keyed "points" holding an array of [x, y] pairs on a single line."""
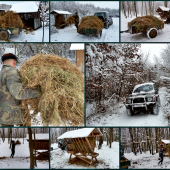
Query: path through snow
{"points": [[118, 116], [69, 34]]}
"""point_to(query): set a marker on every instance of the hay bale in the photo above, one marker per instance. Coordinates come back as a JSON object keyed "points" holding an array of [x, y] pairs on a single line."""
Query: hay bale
{"points": [[18, 142], [92, 22], [145, 22], [10, 19], [62, 87], [71, 20]]}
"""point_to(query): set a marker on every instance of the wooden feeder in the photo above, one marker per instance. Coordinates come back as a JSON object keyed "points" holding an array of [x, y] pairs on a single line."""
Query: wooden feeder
{"points": [[81, 143], [164, 13]]}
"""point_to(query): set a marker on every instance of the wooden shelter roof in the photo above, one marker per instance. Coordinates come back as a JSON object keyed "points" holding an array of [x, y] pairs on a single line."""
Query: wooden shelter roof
{"points": [[80, 133], [75, 46], [59, 12], [164, 8], [166, 141], [25, 7]]}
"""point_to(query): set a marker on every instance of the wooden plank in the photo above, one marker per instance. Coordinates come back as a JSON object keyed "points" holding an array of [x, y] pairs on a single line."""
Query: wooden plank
{"points": [[79, 149], [89, 162], [84, 145], [66, 141], [81, 145], [89, 144], [78, 145]]}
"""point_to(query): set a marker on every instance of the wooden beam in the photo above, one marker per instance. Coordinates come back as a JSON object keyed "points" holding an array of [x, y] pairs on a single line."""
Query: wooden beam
{"points": [[66, 141], [81, 145], [79, 149], [78, 144], [89, 162], [88, 144]]}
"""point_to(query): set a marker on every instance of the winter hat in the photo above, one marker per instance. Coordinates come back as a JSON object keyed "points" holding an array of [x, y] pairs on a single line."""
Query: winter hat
{"points": [[8, 56]]}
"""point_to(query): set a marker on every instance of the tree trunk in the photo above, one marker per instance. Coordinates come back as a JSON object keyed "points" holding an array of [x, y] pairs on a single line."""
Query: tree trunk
{"points": [[31, 149]]}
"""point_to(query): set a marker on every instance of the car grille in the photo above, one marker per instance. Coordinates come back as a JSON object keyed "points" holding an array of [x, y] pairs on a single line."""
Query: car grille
{"points": [[138, 100]]}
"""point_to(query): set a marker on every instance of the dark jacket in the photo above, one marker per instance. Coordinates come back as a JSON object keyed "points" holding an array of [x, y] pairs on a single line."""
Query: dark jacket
{"points": [[11, 94], [76, 18]]}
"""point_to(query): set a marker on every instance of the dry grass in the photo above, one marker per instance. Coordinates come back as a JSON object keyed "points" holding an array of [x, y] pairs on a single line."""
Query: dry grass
{"points": [[92, 22], [62, 88], [70, 20], [18, 142], [10, 19], [145, 22]]}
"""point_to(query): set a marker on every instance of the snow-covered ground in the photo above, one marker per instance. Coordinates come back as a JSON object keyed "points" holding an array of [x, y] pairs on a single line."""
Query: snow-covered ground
{"points": [[21, 158], [31, 36], [117, 116], [163, 35], [108, 158], [69, 34], [147, 161]]}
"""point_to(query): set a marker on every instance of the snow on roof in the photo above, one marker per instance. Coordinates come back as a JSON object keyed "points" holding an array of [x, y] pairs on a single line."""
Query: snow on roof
{"points": [[25, 7], [61, 12], [80, 133], [39, 136], [166, 141], [164, 8], [75, 46]]}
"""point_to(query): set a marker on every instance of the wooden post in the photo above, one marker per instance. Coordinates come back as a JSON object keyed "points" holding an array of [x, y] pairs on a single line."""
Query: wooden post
{"points": [[84, 145]]}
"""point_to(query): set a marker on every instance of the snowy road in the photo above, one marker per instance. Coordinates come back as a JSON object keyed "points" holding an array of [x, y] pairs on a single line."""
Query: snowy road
{"points": [[108, 158], [147, 161], [119, 117], [69, 34], [163, 35]]}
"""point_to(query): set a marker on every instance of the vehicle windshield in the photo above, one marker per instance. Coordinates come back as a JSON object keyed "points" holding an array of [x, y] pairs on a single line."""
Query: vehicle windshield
{"points": [[99, 14], [144, 88]]}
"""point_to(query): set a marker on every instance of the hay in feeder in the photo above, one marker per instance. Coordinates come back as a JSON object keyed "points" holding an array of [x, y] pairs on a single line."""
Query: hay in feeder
{"points": [[10, 19], [92, 22], [62, 88], [70, 20], [145, 22]]}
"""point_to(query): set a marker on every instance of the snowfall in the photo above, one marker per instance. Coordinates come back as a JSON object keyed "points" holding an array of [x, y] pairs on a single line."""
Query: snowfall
{"points": [[146, 161], [30, 35], [117, 116], [108, 158], [21, 159], [163, 35], [69, 34]]}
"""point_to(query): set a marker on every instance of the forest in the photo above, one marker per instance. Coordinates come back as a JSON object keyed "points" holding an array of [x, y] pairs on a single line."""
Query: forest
{"points": [[141, 8], [112, 71], [25, 145], [107, 146], [143, 144], [82, 9]]}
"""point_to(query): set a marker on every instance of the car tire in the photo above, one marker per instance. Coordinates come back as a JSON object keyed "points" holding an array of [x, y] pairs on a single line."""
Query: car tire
{"points": [[156, 109], [4, 35], [129, 112], [152, 33]]}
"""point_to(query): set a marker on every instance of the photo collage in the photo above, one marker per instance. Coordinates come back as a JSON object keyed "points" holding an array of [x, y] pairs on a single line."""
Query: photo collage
{"points": [[84, 84]]}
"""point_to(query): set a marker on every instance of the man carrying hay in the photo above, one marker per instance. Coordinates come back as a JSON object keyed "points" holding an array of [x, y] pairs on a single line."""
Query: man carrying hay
{"points": [[76, 20], [12, 92]]}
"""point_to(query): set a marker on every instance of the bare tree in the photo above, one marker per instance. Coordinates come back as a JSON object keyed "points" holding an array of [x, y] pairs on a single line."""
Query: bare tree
{"points": [[31, 149]]}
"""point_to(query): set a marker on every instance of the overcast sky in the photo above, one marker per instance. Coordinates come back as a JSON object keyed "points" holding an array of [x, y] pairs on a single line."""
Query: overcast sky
{"points": [[153, 49], [103, 4]]}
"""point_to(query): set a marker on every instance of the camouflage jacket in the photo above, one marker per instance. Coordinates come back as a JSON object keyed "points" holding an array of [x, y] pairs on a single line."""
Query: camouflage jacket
{"points": [[11, 94], [76, 18]]}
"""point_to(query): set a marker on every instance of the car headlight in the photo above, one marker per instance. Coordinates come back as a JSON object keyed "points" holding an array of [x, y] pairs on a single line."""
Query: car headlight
{"points": [[128, 101], [149, 99]]}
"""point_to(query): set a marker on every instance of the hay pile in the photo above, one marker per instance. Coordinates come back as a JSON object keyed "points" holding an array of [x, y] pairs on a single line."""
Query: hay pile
{"points": [[18, 142], [10, 19], [70, 20], [145, 22], [62, 88], [92, 22]]}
